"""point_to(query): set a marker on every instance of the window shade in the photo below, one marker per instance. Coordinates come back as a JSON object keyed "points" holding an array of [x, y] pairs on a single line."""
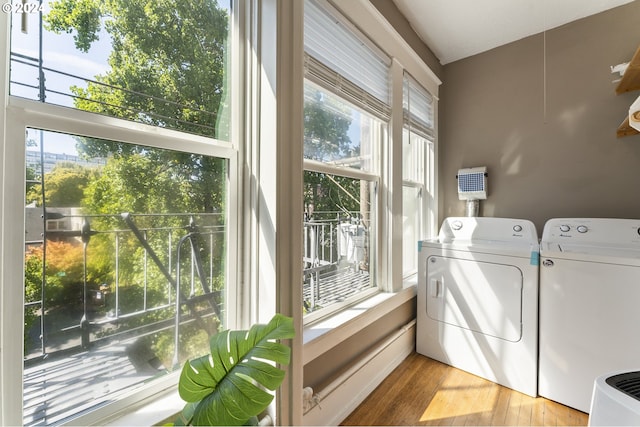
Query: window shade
{"points": [[417, 104], [343, 59]]}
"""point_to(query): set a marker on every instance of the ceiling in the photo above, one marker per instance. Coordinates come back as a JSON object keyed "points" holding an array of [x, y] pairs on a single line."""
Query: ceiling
{"points": [[456, 29]]}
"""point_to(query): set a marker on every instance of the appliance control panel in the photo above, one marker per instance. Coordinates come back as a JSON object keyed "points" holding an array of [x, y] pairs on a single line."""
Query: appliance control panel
{"points": [[602, 231], [487, 229]]}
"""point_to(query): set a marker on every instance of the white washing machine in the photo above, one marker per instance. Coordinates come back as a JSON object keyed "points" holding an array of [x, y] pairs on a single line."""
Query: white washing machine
{"points": [[478, 299], [589, 305]]}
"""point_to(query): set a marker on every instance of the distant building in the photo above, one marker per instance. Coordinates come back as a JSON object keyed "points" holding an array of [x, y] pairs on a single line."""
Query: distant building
{"points": [[52, 159]]}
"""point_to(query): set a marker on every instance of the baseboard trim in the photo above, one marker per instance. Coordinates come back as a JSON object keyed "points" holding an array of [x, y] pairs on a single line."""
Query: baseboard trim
{"points": [[336, 401]]}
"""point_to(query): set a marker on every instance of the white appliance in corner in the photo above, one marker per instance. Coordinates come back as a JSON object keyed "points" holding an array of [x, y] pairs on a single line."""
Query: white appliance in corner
{"points": [[478, 299], [589, 316], [616, 400]]}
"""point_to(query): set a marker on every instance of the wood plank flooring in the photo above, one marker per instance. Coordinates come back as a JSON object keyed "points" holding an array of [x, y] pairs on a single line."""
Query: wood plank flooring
{"points": [[422, 391]]}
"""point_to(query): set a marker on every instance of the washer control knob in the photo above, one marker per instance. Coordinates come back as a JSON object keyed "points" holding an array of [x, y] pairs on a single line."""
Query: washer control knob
{"points": [[456, 225], [517, 228], [582, 229], [564, 228]]}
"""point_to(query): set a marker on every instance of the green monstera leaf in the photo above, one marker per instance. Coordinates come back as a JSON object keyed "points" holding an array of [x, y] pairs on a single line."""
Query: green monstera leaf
{"points": [[228, 387]]}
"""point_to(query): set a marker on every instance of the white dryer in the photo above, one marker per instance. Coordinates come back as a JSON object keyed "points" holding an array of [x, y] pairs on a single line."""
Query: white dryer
{"points": [[478, 299], [589, 311]]}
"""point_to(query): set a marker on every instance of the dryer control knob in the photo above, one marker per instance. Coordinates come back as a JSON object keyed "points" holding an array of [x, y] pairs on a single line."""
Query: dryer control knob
{"points": [[456, 225], [564, 228], [582, 229], [517, 228]]}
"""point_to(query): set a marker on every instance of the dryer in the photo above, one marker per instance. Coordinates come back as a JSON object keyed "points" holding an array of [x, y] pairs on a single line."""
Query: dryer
{"points": [[589, 311], [478, 299]]}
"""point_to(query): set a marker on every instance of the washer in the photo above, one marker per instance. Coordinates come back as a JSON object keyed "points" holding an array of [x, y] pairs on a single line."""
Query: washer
{"points": [[589, 305], [478, 299]]}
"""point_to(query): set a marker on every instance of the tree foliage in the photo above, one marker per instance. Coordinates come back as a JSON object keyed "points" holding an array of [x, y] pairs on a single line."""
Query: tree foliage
{"points": [[326, 138], [167, 62], [167, 69], [64, 185]]}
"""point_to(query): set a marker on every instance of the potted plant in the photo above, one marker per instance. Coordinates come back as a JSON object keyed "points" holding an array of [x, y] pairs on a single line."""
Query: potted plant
{"points": [[229, 386]]}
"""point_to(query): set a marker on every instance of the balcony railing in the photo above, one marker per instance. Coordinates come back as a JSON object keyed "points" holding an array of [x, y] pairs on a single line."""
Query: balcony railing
{"points": [[336, 261], [85, 333]]}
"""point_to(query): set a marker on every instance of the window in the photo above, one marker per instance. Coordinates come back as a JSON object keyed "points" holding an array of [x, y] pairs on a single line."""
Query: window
{"points": [[164, 64], [346, 114], [417, 169], [128, 279], [119, 118]]}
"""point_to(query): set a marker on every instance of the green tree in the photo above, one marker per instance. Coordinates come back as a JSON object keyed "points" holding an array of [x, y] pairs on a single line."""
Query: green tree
{"points": [[167, 62], [64, 186], [326, 138], [167, 69]]}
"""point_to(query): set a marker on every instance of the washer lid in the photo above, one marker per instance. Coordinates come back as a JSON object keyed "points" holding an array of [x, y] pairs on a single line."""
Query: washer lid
{"points": [[626, 255]]}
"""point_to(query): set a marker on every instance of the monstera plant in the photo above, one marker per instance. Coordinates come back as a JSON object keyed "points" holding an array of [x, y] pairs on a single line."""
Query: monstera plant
{"points": [[229, 386]]}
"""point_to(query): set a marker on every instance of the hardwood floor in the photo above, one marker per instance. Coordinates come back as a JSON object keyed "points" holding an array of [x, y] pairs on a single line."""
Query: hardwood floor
{"points": [[422, 391]]}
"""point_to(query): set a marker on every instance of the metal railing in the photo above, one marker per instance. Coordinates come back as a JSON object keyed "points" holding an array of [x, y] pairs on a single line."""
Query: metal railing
{"points": [[35, 87], [331, 241], [173, 280]]}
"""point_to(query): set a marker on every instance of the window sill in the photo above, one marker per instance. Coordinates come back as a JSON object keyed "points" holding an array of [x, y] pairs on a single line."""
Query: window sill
{"points": [[320, 337], [156, 410]]}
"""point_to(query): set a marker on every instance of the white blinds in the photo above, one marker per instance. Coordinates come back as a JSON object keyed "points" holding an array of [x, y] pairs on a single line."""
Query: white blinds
{"points": [[417, 104], [343, 60]]}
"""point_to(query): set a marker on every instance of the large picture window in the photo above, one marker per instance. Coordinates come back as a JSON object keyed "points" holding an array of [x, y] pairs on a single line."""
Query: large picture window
{"points": [[124, 269], [129, 168]]}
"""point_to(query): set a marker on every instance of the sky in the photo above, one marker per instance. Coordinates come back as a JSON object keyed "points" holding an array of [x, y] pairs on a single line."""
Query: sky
{"points": [[58, 53]]}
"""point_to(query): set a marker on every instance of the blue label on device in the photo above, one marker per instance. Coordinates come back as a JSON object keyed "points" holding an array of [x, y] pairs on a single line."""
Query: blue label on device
{"points": [[535, 258]]}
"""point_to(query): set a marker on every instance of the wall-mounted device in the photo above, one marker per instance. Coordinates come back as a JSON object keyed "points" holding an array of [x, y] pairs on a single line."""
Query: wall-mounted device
{"points": [[634, 115], [472, 187]]}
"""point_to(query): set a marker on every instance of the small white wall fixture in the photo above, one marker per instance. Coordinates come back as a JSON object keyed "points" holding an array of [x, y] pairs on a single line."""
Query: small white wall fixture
{"points": [[634, 115]]}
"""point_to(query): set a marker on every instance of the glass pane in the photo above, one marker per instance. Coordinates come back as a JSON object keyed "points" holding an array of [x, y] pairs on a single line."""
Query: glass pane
{"points": [[162, 63], [411, 230], [337, 133], [338, 239], [124, 267], [413, 156]]}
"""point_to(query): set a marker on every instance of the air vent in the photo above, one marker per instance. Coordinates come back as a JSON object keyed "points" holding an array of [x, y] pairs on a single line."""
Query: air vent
{"points": [[628, 383]]}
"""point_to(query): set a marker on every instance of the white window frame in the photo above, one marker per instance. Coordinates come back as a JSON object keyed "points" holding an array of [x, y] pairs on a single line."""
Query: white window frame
{"points": [[326, 78], [320, 167], [16, 115], [362, 14], [367, 18], [424, 183]]}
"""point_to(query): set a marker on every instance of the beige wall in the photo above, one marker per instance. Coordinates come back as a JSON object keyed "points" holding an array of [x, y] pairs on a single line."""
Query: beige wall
{"points": [[321, 371], [541, 113]]}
